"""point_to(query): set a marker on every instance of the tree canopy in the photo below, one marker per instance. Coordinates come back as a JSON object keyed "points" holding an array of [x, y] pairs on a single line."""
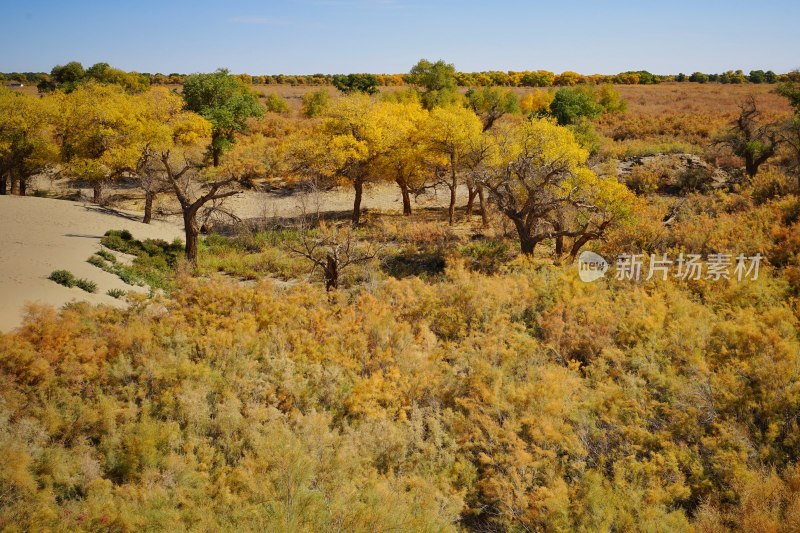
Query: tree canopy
{"points": [[226, 102]]}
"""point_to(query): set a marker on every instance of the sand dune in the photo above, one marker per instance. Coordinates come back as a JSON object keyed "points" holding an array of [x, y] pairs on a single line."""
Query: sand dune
{"points": [[39, 235]]}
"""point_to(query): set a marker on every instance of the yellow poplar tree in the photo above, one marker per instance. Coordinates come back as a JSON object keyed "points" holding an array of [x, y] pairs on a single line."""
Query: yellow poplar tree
{"points": [[449, 134], [405, 158], [541, 182], [167, 128], [100, 130], [26, 142], [346, 145]]}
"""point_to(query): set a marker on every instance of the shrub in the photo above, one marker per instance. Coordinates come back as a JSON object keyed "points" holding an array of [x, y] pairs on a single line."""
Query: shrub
{"points": [[771, 183], [587, 136], [116, 293], [487, 255], [276, 104], [108, 256], [315, 103], [647, 178], [97, 261], [62, 277], [610, 100], [86, 284]]}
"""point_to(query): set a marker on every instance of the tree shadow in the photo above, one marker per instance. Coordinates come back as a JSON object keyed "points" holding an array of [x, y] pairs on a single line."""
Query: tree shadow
{"points": [[113, 212]]}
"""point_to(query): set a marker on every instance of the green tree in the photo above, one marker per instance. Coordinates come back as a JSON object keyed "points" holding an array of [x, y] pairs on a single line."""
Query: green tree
{"points": [[757, 76], [791, 130], [226, 102], [64, 77], [791, 91], [570, 104], [698, 77], [356, 83], [491, 103], [436, 83]]}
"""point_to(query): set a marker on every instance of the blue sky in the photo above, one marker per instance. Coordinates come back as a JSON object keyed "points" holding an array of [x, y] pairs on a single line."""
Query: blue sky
{"points": [[333, 36]]}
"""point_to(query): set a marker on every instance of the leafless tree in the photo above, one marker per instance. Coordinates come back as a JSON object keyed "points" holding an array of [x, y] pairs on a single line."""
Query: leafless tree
{"points": [[750, 138], [331, 249], [193, 194]]}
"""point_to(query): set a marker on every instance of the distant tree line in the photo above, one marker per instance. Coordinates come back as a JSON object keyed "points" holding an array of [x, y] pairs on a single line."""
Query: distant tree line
{"points": [[73, 72]]}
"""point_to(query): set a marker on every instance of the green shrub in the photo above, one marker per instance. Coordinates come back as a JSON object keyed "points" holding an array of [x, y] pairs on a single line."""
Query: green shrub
{"points": [[86, 284], [62, 277], [116, 293], [486, 255], [587, 136], [97, 261], [108, 256]]}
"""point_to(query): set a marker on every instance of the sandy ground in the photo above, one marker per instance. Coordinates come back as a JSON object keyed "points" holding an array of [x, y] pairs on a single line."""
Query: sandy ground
{"points": [[39, 235], [382, 197]]}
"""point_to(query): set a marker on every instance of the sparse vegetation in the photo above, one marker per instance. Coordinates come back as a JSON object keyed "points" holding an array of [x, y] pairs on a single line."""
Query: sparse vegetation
{"points": [[63, 277], [86, 285], [117, 293]]}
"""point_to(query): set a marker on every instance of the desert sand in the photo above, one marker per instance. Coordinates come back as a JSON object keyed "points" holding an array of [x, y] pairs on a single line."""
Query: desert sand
{"points": [[39, 235]]}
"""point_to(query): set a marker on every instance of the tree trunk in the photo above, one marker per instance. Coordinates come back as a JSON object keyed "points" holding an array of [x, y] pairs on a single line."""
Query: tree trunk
{"points": [[406, 196], [14, 184], [148, 206], [23, 186], [750, 166], [576, 247], [3, 184], [358, 185], [526, 242], [331, 274], [559, 243], [451, 211], [192, 230], [472, 192], [97, 190], [482, 202], [216, 151]]}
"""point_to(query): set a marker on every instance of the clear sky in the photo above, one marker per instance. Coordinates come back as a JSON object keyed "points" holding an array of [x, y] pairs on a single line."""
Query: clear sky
{"points": [[343, 36]]}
